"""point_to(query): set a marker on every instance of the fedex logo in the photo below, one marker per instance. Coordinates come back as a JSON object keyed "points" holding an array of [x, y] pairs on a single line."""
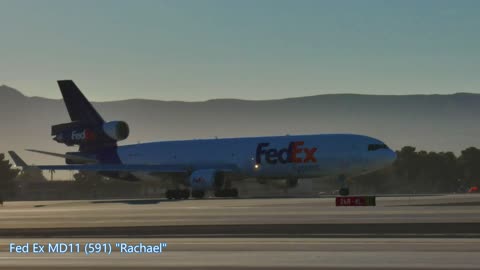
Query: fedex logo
{"points": [[294, 153], [85, 135]]}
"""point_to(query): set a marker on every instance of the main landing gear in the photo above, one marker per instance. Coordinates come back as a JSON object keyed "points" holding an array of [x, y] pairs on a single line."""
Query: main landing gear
{"points": [[343, 191], [198, 194], [228, 192], [177, 194]]}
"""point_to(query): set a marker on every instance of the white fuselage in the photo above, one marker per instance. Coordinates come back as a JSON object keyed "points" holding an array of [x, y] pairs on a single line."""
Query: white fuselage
{"points": [[301, 156]]}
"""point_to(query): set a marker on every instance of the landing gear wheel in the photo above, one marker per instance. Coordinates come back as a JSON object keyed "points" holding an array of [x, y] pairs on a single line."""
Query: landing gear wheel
{"points": [[198, 194], [230, 192], [177, 194], [169, 194], [342, 180], [186, 194], [344, 191]]}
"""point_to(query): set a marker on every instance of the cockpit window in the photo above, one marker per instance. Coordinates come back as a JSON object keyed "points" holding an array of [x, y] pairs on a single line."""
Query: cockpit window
{"points": [[375, 147]]}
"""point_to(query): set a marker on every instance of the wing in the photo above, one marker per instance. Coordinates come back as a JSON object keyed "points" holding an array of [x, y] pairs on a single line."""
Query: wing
{"points": [[115, 168], [153, 169], [19, 162]]}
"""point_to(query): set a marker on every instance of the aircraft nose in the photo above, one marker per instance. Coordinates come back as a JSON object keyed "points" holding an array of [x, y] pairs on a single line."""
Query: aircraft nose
{"points": [[391, 156]]}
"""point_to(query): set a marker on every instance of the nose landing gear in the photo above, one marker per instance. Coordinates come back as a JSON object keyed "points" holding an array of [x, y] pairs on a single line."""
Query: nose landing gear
{"points": [[344, 190]]}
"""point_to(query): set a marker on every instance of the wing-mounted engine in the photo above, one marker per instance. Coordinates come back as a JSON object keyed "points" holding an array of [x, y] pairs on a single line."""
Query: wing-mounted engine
{"points": [[78, 133], [206, 179]]}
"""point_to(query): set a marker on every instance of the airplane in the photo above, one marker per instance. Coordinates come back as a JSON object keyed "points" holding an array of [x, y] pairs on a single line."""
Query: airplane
{"points": [[201, 165]]}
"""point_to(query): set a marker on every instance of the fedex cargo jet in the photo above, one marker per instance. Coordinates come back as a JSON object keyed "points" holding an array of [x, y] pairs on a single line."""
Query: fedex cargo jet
{"points": [[197, 166]]}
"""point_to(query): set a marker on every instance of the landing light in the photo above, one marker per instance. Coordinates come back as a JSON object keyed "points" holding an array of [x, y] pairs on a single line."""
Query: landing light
{"points": [[257, 166]]}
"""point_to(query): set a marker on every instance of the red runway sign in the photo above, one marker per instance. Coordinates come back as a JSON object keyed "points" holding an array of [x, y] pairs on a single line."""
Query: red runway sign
{"points": [[355, 201]]}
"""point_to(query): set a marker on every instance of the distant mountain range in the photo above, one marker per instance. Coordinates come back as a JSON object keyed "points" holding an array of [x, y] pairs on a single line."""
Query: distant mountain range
{"points": [[429, 122]]}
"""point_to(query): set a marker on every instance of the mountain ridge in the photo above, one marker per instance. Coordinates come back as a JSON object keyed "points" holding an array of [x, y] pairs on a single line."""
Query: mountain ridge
{"points": [[5, 88], [428, 122]]}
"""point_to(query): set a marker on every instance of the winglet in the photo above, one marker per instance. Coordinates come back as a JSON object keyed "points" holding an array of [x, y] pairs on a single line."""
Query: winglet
{"points": [[17, 160]]}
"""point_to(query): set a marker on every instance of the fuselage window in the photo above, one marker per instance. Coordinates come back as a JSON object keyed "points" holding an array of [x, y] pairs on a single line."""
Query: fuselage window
{"points": [[374, 147]]}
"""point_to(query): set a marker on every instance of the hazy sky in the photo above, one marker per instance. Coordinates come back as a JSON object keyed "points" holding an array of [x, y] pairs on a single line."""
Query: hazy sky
{"points": [[199, 49]]}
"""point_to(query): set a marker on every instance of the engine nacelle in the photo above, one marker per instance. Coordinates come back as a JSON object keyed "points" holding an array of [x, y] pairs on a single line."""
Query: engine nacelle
{"points": [[116, 130], [76, 136], [206, 179], [78, 133]]}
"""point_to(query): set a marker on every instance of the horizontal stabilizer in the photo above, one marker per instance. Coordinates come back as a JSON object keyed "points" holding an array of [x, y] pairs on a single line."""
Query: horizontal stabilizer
{"points": [[17, 160], [67, 156]]}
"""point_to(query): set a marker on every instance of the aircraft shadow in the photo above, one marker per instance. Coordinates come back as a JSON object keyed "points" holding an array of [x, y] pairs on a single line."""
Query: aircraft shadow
{"points": [[132, 201]]}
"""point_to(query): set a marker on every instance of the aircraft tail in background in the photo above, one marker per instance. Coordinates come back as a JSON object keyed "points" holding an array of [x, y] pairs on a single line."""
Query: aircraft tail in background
{"points": [[79, 108], [88, 130]]}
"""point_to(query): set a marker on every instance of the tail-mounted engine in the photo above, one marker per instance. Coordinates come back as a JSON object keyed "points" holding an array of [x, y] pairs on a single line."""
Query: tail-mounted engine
{"points": [[78, 133], [116, 130]]}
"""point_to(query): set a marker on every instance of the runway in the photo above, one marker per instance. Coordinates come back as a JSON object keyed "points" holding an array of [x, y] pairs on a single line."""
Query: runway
{"points": [[252, 253], [134, 213], [371, 230], [401, 232]]}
